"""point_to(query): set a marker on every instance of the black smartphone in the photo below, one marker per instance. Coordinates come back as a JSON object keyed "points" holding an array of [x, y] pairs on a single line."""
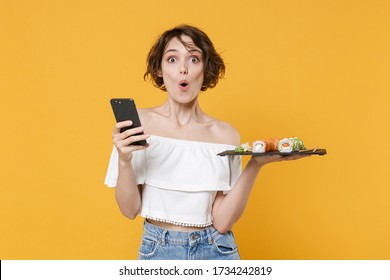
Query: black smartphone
{"points": [[124, 110]]}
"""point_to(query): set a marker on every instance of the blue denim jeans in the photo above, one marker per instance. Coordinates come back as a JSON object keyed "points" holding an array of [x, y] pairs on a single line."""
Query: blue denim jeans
{"points": [[206, 244]]}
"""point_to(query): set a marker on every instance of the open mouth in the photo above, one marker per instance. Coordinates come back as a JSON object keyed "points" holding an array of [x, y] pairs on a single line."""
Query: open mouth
{"points": [[184, 85]]}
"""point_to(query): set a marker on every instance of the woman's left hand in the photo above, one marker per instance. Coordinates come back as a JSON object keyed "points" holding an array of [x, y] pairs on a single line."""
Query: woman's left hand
{"points": [[262, 160]]}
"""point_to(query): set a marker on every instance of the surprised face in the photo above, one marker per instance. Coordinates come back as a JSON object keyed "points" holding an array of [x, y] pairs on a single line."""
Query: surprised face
{"points": [[182, 70]]}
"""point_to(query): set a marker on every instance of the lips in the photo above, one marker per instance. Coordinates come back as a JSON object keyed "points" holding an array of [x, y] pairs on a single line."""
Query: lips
{"points": [[184, 85]]}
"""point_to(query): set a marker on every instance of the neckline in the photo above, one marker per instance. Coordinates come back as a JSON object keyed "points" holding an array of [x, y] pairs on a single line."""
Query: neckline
{"points": [[188, 142]]}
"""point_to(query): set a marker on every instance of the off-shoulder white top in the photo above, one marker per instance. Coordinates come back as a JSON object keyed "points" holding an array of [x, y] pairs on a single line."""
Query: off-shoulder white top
{"points": [[180, 178]]}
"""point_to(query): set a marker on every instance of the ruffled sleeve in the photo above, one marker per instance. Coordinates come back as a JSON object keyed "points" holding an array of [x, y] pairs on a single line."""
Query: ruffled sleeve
{"points": [[235, 166], [138, 163]]}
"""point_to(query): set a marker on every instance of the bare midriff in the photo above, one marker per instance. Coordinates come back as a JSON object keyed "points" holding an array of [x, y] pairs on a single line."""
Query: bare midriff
{"points": [[173, 227]]}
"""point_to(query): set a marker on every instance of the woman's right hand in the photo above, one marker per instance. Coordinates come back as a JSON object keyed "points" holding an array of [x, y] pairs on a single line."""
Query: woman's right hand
{"points": [[123, 141]]}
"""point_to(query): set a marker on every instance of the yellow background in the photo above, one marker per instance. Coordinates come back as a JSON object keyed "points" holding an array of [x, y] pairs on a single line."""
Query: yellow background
{"points": [[314, 69]]}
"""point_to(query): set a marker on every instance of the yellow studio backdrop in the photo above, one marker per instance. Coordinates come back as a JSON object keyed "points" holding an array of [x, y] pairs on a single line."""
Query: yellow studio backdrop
{"points": [[314, 69]]}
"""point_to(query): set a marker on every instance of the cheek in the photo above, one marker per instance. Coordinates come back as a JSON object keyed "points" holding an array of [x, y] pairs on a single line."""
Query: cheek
{"points": [[200, 73], [166, 74]]}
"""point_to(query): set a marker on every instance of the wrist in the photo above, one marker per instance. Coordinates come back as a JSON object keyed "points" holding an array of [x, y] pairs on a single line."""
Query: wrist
{"points": [[255, 163], [124, 163]]}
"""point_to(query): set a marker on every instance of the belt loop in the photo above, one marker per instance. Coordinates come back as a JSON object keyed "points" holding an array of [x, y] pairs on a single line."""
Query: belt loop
{"points": [[210, 239], [163, 236]]}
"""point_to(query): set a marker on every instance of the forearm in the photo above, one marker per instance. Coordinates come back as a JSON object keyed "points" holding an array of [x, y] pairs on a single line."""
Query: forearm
{"points": [[230, 208], [127, 193]]}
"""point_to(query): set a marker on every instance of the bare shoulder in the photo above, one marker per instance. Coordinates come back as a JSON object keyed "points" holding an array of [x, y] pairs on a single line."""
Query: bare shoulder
{"points": [[146, 115], [150, 120], [225, 133], [142, 112]]}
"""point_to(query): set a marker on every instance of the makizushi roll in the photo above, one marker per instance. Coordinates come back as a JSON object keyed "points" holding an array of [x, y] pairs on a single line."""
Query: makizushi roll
{"points": [[259, 146], [288, 145], [298, 144], [265, 145], [285, 145]]}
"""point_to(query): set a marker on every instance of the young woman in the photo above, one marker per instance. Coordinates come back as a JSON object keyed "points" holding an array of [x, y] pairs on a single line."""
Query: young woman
{"points": [[190, 197]]}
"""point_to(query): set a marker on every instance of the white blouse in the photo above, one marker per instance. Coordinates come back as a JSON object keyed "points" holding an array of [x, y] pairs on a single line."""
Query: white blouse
{"points": [[180, 178]]}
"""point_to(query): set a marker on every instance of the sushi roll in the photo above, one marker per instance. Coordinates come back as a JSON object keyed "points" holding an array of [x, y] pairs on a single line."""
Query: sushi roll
{"points": [[297, 144], [285, 145], [274, 143], [259, 146], [265, 145], [293, 144]]}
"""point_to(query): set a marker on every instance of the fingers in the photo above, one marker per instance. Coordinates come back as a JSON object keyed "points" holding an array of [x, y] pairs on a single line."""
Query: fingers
{"points": [[130, 132], [132, 139], [262, 160], [118, 135], [278, 158], [295, 157], [290, 157], [120, 125], [125, 141], [126, 151], [127, 146]]}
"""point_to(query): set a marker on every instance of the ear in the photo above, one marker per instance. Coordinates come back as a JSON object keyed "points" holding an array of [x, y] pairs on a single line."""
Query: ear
{"points": [[159, 73]]}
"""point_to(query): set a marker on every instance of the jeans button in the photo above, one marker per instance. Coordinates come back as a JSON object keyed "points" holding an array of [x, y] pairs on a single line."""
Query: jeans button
{"points": [[194, 236]]}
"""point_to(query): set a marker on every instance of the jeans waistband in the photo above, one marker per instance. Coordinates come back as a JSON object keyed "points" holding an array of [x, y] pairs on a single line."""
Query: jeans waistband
{"points": [[179, 237]]}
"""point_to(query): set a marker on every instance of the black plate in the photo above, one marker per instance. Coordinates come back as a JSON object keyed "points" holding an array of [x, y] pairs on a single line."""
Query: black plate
{"points": [[320, 152]]}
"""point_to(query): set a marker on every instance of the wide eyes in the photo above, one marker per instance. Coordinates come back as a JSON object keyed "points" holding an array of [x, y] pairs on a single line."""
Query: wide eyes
{"points": [[192, 59]]}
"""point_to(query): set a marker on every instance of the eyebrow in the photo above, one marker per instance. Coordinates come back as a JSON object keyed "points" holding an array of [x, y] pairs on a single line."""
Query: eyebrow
{"points": [[190, 50]]}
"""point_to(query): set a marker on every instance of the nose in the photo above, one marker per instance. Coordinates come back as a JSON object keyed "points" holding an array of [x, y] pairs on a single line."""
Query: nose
{"points": [[183, 69]]}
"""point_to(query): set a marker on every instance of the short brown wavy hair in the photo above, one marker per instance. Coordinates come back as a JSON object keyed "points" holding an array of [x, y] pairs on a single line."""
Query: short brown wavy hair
{"points": [[214, 67]]}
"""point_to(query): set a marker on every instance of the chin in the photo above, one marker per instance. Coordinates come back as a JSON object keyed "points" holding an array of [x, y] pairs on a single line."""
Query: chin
{"points": [[185, 98]]}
